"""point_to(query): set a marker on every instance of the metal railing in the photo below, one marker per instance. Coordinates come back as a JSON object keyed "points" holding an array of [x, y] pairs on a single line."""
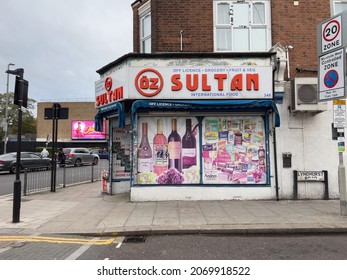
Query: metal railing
{"points": [[39, 179]]}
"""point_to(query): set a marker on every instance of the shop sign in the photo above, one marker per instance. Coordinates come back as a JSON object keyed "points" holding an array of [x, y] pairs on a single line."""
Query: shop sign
{"points": [[111, 88], [202, 82], [194, 83]]}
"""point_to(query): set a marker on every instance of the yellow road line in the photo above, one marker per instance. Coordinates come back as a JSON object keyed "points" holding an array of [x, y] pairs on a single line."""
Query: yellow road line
{"points": [[57, 240]]}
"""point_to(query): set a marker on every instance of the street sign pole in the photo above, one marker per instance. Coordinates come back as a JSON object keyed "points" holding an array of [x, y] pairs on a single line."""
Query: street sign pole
{"points": [[331, 46]]}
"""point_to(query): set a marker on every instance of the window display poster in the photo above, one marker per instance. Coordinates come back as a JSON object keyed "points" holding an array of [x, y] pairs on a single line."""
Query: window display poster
{"points": [[168, 151], [121, 148], [233, 150], [84, 129]]}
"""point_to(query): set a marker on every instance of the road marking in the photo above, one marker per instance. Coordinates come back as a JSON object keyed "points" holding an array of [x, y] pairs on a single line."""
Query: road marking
{"points": [[93, 241], [75, 255]]}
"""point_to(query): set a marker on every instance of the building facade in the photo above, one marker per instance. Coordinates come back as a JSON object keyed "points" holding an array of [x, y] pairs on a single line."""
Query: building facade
{"points": [[77, 128], [219, 101]]}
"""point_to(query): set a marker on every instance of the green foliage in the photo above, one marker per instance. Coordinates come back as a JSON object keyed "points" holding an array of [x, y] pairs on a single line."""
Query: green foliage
{"points": [[28, 119]]}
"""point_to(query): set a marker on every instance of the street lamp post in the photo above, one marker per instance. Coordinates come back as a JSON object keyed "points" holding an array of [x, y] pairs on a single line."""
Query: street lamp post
{"points": [[6, 108], [19, 100]]}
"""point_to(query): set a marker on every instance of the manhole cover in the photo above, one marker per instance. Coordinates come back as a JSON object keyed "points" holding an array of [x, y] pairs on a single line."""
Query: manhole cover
{"points": [[135, 239]]}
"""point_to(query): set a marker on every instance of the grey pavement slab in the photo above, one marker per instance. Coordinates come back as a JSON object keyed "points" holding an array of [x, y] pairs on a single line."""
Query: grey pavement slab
{"points": [[84, 209]]}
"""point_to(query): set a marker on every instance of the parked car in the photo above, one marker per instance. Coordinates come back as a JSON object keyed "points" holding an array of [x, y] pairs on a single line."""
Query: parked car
{"points": [[80, 156], [30, 160], [101, 153]]}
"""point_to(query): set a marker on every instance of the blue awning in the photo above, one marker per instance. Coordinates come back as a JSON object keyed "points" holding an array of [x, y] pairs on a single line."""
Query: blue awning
{"points": [[109, 110], [216, 105]]}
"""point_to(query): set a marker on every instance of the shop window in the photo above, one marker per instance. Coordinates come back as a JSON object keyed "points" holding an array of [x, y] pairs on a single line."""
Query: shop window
{"points": [[242, 26], [145, 27], [227, 150], [233, 150]]}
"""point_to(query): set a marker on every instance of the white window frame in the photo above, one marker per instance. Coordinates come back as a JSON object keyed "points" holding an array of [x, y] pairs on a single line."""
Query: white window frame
{"points": [[251, 27], [332, 5], [145, 12]]}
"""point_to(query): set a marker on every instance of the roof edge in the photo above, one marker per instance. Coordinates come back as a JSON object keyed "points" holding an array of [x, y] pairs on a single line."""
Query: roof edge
{"points": [[119, 60]]}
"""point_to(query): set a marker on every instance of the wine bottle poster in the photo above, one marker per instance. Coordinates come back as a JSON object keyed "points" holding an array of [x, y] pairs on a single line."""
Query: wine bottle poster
{"points": [[120, 154], [168, 151], [233, 150]]}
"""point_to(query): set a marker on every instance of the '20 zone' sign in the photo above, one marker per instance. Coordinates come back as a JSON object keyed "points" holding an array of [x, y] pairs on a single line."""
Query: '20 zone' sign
{"points": [[331, 35]]}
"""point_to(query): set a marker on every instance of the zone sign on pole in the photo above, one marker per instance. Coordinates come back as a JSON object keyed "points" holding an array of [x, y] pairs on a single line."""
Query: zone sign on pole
{"points": [[332, 34], [331, 46]]}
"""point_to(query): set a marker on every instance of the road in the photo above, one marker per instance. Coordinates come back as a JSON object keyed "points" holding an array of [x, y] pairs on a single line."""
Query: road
{"points": [[183, 247]]}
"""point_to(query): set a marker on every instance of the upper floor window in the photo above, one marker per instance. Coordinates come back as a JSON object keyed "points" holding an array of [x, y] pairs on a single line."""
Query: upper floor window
{"points": [[338, 6], [145, 27], [242, 26]]}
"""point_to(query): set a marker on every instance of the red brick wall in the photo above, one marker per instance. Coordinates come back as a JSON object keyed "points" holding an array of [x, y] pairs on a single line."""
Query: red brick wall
{"points": [[291, 25], [296, 26], [194, 17]]}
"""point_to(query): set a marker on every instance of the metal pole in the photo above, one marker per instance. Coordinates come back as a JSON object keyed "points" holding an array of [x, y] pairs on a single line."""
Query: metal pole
{"points": [[17, 188], [342, 185], [6, 109], [17, 182], [54, 159]]}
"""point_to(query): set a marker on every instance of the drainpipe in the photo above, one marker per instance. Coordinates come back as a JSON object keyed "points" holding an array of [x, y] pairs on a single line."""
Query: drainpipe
{"points": [[276, 165], [181, 34]]}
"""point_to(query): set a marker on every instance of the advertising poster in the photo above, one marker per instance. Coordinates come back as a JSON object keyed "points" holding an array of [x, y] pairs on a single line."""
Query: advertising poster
{"points": [[84, 129], [168, 151], [233, 150], [121, 149]]}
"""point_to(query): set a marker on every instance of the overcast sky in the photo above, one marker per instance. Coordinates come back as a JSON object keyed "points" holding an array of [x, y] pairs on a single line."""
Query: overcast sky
{"points": [[61, 43]]}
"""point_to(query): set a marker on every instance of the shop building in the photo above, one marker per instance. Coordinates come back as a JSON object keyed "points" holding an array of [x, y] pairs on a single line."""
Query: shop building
{"points": [[208, 107]]}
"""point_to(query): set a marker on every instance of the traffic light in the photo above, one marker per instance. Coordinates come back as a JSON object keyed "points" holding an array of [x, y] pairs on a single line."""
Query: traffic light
{"points": [[21, 92]]}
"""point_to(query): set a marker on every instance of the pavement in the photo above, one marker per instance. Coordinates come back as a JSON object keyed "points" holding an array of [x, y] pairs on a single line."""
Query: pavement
{"points": [[84, 209]]}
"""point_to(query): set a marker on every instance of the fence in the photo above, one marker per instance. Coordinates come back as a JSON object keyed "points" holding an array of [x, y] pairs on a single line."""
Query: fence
{"points": [[40, 179]]}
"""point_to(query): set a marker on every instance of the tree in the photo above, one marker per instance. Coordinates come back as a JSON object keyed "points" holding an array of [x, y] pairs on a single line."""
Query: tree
{"points": [[28, 119]]}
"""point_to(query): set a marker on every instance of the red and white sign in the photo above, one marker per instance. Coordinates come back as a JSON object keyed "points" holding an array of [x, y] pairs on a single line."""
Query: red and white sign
{"points": [[331, 34], [203, 82], [184, 82]]}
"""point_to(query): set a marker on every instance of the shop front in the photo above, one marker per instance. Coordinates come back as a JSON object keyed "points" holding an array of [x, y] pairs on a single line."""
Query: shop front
{"points": [[190, 126]]}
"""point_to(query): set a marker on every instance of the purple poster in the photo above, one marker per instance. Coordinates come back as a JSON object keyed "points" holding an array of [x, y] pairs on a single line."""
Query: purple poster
{"points": [[82, 129]]}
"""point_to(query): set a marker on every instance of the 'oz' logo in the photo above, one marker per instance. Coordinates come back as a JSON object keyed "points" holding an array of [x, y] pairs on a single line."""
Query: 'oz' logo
{"points": [[108, 83], [149, 82]]}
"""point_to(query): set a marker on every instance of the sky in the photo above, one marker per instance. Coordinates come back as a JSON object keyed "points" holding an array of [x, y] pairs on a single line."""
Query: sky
{"points": [[61, 43]]}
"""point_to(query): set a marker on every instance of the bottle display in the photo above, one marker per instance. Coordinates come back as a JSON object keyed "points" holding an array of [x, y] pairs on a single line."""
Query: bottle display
{"points": [[175, 148], [144, 154], [188, 146], [160, 150]]}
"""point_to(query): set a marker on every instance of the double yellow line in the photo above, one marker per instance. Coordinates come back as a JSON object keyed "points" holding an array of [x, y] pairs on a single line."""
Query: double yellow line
{"points": [[57, 240]]}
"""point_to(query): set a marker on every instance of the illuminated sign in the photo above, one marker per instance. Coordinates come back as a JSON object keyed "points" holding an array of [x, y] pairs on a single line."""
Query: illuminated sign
{"points": [[84, 130]]}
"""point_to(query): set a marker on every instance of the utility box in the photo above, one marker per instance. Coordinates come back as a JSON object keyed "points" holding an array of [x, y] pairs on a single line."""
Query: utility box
{"points": [[287, 160]]}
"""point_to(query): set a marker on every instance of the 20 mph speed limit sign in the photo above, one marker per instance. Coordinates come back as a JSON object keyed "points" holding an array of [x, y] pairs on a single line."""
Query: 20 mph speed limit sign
{"points": [[332, 34]]}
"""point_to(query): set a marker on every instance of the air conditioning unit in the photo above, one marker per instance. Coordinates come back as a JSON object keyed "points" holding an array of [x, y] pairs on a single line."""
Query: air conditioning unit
{"points": [[305, 96]]}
